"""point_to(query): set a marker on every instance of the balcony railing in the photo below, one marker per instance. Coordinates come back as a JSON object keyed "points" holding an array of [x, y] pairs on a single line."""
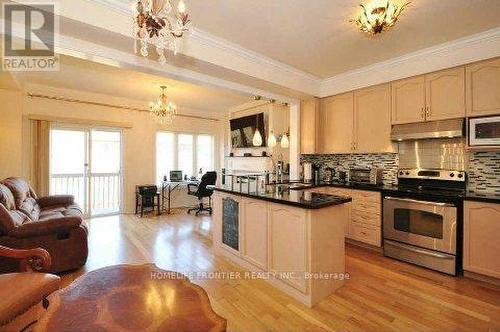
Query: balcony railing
{"points": [[103, 191]]}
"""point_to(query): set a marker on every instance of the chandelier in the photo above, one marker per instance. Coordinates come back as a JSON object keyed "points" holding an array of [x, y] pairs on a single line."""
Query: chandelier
{"points": [[163, 110], [377, 17], [160, 23]]}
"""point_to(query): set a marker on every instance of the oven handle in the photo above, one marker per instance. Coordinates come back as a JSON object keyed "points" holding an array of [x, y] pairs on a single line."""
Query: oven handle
{"points": [[417, 201], [418, 250]]}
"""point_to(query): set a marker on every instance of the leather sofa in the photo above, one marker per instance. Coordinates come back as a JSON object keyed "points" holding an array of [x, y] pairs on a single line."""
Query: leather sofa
{"points": [[54, 223]]}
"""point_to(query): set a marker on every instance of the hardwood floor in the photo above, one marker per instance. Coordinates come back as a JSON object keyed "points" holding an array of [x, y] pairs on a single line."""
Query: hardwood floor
{"points": [[381, 295]]}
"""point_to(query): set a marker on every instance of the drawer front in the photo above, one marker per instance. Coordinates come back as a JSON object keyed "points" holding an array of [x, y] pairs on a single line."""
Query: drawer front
{"points": [[367, 234], [366, 218], [367, 196], [366, 206]]}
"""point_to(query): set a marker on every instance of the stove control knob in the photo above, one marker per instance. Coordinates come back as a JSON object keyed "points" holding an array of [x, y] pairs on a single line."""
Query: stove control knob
{"points": [[460, 175], [452, 175], [401, 172], [407, 173]]}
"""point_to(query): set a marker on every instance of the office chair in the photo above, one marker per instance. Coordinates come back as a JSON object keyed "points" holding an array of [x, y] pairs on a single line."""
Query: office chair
{"points": [[200, 190]]}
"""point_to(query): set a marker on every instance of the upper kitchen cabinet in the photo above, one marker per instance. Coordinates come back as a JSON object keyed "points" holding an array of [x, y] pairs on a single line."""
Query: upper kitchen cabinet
{"points": [[434, 96], [408, 100], [372, 120], [483, 88], [445, 94], [336, 124], [309, 112]]}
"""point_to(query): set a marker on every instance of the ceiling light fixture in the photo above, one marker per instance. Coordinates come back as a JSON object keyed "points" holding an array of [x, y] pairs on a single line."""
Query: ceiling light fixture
{"points": [[377, 17], [163, 110], [160, 23]]}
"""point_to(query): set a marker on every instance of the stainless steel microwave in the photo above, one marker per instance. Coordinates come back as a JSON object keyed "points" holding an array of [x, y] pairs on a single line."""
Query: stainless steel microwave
{"points": [[484, 131]]}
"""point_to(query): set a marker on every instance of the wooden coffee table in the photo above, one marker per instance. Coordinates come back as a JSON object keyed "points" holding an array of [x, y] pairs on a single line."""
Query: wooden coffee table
{"points": [[130, 298]]}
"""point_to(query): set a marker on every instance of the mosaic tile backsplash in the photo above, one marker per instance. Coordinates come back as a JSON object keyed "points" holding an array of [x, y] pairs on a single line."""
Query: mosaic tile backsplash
{"points": [[484, 172], [388, 162], [483, 168]]}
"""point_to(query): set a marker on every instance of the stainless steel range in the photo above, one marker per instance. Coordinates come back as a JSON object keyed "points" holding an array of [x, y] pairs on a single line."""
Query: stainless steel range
{"points": [[422, 219]]}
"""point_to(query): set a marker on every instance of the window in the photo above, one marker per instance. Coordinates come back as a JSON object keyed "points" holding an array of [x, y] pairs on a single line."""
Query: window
{"points": [[185, 152]]}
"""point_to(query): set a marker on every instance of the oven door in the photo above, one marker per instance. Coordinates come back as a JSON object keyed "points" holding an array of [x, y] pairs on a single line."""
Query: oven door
{"points": [[484, 131], [430, 225]]}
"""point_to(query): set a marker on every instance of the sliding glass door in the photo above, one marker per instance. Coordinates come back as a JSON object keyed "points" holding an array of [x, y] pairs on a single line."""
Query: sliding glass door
{"points": [[86, 163]]}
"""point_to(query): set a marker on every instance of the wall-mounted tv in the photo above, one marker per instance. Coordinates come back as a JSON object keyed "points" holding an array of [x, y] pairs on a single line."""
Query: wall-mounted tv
{"points": [[243, 130]]}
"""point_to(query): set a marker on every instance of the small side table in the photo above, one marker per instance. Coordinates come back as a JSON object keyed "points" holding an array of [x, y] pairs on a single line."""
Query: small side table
{"points": [[131, 298]]}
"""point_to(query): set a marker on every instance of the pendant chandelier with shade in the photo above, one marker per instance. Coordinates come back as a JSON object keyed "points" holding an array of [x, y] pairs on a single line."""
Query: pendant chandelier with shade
{"points": [[257, 137]]}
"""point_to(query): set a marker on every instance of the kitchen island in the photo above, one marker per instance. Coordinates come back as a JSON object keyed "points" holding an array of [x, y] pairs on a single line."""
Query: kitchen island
{"points": [[293, 239]]}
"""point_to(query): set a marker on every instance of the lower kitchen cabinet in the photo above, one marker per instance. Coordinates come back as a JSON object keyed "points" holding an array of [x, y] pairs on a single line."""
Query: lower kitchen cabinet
{"points": [[365, 214], [288, 243], [482, 238], [254, 230]]}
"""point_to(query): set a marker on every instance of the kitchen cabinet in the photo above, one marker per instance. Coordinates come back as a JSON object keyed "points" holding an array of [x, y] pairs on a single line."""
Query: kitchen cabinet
{"points": [[288, 241], [366, 217], [309, 112], [254, 230], [365, 214], [408, 100], [336, 124], [356, 122], [483, 88], [372, 120], [481, 238], [430, 97], [445, 94]]}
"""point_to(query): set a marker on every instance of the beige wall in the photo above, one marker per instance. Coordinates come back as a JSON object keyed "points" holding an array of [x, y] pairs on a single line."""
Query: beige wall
{"points": [[138, 141], [10, 133]]}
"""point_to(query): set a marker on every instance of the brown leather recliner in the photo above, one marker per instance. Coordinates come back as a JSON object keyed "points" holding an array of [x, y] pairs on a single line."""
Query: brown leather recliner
{"points": [[23, 294], [54, 223]]}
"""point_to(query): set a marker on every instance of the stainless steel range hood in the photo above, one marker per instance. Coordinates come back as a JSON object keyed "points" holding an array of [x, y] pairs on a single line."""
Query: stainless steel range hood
{"points": [[432, 129]]}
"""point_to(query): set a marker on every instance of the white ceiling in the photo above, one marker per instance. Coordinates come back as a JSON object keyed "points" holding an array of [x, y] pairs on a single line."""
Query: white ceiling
{"points": [[93, 77], [316, 36]]}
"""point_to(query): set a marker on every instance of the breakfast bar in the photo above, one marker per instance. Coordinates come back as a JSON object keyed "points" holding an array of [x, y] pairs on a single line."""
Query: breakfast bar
{"points": [[294, 239]]}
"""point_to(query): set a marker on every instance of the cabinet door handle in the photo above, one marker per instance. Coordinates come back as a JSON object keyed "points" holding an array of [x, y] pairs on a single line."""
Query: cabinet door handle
{"points": [[428, 111], [422, 113]]}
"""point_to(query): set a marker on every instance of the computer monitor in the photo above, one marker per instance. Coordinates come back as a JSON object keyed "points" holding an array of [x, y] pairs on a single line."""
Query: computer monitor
{"points": [[175, 176]]}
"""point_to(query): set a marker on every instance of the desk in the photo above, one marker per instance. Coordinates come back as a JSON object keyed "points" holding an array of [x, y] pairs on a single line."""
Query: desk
{"points": [[168, 187], [130, 298]]}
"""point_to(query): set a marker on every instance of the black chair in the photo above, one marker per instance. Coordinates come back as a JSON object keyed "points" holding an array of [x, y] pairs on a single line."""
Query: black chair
{"points": [[145, 198], [201, 191]]}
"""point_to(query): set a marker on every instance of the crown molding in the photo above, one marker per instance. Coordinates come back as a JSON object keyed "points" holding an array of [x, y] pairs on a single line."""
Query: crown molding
{"points": [[117, 5], [208, 47], [224, 54], [477, 47]]}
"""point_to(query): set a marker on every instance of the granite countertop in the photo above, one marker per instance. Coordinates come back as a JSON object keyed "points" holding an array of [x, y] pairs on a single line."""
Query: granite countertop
{"points": [[295, 197], [483, 197], [295, 185]]}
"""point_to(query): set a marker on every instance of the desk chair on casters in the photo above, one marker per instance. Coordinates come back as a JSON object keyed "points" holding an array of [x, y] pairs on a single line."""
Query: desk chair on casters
{"points": [[201, 191]]}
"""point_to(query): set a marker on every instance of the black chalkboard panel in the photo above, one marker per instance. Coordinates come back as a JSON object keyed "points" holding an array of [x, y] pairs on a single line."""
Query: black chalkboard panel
{"points": [[230, 223]]}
